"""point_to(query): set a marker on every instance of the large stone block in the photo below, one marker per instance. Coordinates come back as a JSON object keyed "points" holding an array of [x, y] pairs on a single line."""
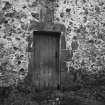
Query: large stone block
{"points": [[63, 67], [43, 26], [63, 42], [66, 55], [30, 40], [66, 79]]}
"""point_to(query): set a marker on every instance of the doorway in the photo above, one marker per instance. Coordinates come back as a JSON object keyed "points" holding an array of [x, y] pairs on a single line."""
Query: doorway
{"points": [[46, 69]]}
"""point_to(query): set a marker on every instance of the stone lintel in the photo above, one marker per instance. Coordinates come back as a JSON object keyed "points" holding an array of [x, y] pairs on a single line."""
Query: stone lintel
{"points": [[42, 26]]}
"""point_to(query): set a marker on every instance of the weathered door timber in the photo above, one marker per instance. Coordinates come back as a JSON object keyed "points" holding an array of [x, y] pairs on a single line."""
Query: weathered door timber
{"points": [[45, 59]]}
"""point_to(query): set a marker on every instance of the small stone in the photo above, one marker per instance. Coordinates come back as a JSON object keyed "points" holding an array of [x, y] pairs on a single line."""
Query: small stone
{"points": [[21, 55], [9, 14], [19, 62], [1, 68], [7, 6], [6, 21], [78, 30], [61, 14], [85, 11], [68, 10], [91, 41], [74, 45], [9, 39], [18, 38], [84, 1], [97, 9], [2, 18], [70, 23], [65, 2], [24, 26], [52, 0], [75, 37], [101, 36], [34, 4], [24, 7], [15, 48], [104, 24], [85, 19], [35, 15], [101, 3], [103, 7], [22, 71], [57, 19]]}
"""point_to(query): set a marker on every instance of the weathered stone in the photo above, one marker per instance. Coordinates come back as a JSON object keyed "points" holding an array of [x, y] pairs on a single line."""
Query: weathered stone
{"points": [[2, 18], [68, 10], [7, 6], [66, 79], [29, 48], [52, 0], [59, 28], [74, 45], [34, 4], [49, 16], [41, 26], [66, 55], [61, 14], [63, 67], [63, 42], [34, 25], [24, 26], [97, 8], [35, 15], [43, 14]]}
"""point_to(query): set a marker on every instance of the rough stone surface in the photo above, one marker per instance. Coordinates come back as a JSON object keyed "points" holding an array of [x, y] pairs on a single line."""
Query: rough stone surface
{"points": [[15, 21], [84, 22], [63, 42], [82, 50]]}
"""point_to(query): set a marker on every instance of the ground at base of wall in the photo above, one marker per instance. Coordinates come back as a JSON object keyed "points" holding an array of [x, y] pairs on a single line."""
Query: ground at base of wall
{"points": [[23, 96], [83, 90]]}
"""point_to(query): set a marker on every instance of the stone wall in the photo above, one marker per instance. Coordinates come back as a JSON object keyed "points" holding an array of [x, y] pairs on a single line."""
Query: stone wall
{"points": [[84, 21], [15, 37], [85, 35], [18, 20], [82, 44]]}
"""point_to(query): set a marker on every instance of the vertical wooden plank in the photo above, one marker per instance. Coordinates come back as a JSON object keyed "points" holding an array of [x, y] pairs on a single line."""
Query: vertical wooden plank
{"points": [[48, 83], [59, 72], [57, 59], [44, 56], [50, 60], [59, 54], [41, 61], [34, 56], [38, 57], [54, 60], [36, 60], [57, 48], [47, 62]]}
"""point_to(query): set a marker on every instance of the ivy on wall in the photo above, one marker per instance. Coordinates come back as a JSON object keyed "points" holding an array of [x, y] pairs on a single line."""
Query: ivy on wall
{"points": [[85, 35]]}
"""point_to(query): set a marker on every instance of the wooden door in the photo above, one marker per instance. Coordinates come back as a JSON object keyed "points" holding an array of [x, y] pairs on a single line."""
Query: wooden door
{"points": [[46, 59]]}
